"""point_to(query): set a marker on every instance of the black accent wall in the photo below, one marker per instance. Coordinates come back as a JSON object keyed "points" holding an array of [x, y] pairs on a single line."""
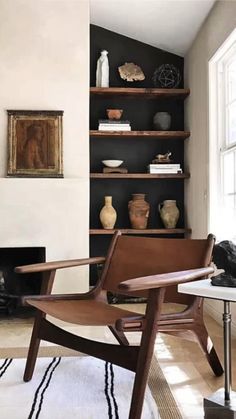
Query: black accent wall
{"points": [[137, 153], [122, 49]]}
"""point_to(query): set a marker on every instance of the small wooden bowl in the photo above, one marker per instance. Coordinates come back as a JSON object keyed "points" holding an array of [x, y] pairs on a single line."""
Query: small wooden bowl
{"points": [[114, 113]]}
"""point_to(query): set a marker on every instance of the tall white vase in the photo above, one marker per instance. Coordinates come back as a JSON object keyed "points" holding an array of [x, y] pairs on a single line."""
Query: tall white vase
{"points": [[102, 73]]}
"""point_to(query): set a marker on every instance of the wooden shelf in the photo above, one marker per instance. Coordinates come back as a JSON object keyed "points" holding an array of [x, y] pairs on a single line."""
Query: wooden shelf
{"points": [[163, 231], [150, 93], [139, 176], [149, 134]]}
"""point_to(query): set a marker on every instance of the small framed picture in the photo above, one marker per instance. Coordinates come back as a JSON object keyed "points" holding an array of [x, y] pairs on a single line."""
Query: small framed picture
{"points": [[35, 143]]}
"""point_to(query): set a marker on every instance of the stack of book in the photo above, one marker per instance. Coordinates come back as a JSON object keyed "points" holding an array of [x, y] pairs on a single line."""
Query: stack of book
{"points": [[113, 125], [164, 168]]}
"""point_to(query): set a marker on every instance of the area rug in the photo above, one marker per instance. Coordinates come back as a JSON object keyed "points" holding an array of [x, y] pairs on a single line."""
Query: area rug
{"points": [[68, 387], [161, 392]]}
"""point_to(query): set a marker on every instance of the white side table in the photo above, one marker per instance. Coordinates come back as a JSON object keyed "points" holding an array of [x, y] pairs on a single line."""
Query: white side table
{"points": [[221, 404]]}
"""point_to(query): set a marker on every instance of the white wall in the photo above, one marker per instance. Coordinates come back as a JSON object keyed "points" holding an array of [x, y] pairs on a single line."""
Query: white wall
{"points": [[44, 65], [218, 26]]}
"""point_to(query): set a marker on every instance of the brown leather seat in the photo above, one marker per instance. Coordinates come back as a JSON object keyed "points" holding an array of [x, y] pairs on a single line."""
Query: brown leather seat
{"points": [[150, 267], [83, 312]]}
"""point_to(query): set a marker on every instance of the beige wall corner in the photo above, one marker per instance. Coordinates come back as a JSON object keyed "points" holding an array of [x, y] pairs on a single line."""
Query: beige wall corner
{"points": [[217, 27]]}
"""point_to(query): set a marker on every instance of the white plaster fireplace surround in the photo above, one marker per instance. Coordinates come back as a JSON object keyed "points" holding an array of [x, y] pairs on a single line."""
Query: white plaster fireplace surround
{"points": [[44, 65], [46, 212]]}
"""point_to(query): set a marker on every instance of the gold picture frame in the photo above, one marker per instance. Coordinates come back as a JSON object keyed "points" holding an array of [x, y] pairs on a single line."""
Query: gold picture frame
{"points": [[35, 143]]}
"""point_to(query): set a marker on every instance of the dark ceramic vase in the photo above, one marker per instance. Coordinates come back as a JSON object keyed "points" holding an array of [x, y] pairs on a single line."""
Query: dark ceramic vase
{"points": [[162, 121]]}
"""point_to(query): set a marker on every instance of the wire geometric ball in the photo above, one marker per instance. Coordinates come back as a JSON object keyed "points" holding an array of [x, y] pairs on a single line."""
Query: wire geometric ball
{"points": [[167, 76]]}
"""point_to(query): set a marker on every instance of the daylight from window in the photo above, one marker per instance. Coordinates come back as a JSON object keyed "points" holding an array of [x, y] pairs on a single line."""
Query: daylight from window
{"points": [[222, 144]]}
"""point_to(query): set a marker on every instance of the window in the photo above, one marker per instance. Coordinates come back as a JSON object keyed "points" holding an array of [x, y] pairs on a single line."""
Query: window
{"points": [[222, 144], [227, 78]]}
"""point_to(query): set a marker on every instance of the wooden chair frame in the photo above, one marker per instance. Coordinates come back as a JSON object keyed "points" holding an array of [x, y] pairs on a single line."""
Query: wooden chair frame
{"points": [[134, 358]]}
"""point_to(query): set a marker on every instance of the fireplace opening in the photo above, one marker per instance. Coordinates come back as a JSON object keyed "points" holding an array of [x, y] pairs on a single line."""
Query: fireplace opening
{"points": [[12, 285]]}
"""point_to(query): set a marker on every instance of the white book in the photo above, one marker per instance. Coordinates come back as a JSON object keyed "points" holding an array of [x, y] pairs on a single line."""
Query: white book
{"points": [[165, 166], [165, 171], [119, 128], [113, 126], [159, 167], [113, 123]]}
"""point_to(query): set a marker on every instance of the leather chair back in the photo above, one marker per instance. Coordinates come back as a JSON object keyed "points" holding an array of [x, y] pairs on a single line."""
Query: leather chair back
{"points": [[142, 256]]}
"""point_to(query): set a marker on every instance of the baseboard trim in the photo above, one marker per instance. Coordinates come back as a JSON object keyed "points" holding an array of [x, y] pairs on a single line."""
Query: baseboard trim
{"points": [[217, 315]]}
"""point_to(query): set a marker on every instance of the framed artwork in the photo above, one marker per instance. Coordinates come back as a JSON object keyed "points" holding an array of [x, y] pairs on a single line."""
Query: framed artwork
{"points": [[35, 143]]}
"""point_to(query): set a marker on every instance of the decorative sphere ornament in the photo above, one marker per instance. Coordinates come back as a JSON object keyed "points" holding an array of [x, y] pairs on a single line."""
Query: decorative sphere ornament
{"points": [[166, 76]]}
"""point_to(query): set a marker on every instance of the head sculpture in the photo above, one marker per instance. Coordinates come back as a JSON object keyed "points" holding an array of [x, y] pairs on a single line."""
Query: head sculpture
{"points": [[224, 257]]}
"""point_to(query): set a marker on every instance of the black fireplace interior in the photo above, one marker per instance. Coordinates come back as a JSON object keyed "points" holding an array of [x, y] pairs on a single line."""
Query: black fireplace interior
{"points": [[12, 285]]}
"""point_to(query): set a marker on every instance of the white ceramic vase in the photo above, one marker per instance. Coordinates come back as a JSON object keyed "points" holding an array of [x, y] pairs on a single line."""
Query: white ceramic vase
{"points": [[102, 73]]}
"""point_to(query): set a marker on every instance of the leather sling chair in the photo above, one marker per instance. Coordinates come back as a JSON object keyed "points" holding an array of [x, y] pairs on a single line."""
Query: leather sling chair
{"points": [[150, 267]]}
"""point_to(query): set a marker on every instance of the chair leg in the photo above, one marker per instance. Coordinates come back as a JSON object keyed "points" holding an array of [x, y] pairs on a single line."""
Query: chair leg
{"points": [[33, 348], [46, 288], [140, 383], [146, 351], [206, 345]]}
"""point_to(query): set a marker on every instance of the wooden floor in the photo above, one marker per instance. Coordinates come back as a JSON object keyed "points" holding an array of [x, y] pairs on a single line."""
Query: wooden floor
{"points": [[188, 372], [182, 362]]}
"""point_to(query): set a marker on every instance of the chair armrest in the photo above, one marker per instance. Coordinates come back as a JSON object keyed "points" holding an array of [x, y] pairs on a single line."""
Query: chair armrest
{"points": [[164, 280], [51, 266]]}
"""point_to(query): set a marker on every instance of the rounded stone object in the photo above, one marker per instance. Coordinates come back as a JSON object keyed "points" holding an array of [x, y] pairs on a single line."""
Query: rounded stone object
{"points": [[162, 121]]}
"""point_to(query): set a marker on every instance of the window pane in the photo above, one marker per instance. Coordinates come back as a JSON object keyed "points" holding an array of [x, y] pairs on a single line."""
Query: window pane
{"points": [[228, 173], [232, 123], [232, 80], [229, 201]]}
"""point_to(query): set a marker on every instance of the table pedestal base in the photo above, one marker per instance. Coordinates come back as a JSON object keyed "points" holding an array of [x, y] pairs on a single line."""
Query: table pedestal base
{"points": [[215, 406]]}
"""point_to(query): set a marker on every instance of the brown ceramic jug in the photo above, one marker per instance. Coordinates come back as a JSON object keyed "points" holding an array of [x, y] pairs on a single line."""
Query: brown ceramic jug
{"points": [[138, 211]]}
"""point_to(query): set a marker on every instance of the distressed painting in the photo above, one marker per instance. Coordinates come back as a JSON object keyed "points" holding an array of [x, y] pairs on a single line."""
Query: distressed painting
{"points": [[35, 143]]}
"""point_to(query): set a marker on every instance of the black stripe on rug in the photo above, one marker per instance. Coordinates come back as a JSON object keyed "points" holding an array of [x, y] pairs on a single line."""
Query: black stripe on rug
{"points": [[112, 376], [43, 387], [106, 391], [109, 391], [4, 366]]}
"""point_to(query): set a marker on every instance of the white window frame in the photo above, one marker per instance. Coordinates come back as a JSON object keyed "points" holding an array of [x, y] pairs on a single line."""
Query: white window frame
{"points": [[221, 219]]}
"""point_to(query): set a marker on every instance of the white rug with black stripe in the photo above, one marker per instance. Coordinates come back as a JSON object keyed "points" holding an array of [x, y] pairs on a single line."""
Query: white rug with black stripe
{"points": [[69, 387]]}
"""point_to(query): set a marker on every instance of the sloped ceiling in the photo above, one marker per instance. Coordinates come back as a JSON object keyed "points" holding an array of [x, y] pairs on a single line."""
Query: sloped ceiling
{"points": [[171, 25]]}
